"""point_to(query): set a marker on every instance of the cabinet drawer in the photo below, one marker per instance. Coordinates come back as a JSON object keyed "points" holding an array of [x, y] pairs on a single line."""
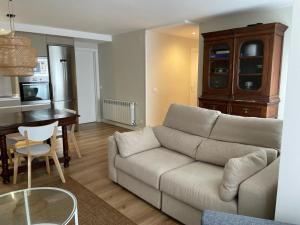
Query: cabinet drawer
{"points": [[220, 106], [246, 110]]}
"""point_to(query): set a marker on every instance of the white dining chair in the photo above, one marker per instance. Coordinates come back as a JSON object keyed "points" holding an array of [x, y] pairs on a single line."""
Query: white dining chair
{"points": [[38, 134], [11, 142], [71, 134]]}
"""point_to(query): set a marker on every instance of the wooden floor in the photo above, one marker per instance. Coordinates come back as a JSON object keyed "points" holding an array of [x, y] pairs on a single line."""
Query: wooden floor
{"points": [[91, 172]]}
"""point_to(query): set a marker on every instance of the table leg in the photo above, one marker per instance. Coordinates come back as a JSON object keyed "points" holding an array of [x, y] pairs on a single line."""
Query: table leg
{"points": [[4, 159], [65, 146]]}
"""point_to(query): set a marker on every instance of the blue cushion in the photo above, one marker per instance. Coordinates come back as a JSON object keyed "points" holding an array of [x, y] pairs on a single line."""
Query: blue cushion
{"points": [[220, 218]]}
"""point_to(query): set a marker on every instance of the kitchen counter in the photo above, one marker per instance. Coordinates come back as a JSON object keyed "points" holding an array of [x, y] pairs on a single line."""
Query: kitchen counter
{"points": [[7, 101], [13, 104]]}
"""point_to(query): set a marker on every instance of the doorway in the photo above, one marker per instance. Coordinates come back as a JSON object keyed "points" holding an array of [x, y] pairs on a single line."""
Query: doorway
{"points": [[171, 69]]}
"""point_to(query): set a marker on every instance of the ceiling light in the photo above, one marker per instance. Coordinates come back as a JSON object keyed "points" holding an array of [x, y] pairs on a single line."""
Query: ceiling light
{"points": [[17, 57], [187, 22], [194, 33]]}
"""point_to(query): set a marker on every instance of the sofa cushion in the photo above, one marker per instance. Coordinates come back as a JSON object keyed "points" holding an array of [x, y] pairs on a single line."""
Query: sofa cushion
{"points": [[189, 119], [133, 142], [148, 166], [197, 184], [248, 130], [177, 140], [219, 152], [238, 170]]}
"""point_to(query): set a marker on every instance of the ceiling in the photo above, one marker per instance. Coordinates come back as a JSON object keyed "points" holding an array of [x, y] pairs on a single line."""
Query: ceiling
{"points": [[182, 30], [119, 16]]}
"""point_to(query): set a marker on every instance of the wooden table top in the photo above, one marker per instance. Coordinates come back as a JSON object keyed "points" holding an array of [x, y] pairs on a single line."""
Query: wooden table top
{"points": [[9, 122]]}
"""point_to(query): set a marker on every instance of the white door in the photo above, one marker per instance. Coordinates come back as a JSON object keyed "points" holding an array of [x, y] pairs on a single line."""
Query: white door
{"points": [[86, 84], [194, 77]]}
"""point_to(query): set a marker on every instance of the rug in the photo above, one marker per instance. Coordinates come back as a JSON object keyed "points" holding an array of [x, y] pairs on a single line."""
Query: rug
{"points": [[92, 210]]}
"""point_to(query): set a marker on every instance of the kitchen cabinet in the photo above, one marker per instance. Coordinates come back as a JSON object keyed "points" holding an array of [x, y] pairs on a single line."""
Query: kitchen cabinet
{"points": [[241, 73]]}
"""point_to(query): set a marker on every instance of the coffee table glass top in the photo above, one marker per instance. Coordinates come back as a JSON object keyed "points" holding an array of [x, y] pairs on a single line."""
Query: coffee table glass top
{"points": [[37, 206]]}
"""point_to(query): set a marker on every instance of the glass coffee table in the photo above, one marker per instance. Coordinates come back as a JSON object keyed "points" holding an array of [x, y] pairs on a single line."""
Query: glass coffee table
{"points": [[38, 206]]}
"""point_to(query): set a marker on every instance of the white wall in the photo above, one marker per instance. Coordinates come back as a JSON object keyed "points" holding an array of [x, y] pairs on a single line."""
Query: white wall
{"points": [[282, 15], [288, 198], [122, 70], [5, 86], [168, 68]]}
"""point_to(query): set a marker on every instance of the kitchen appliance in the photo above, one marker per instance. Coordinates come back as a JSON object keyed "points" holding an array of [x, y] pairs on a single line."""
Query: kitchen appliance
{"points": [[62, 76], [35, 92], [35, 89], [41, 68]]}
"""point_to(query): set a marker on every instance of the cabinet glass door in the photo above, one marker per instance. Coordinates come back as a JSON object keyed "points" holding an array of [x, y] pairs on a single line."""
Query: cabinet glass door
{"points": [[250, 68], [219, 66]]}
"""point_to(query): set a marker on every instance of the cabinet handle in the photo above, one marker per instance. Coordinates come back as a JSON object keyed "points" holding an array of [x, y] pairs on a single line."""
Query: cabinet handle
{"points": [[213, 107], [246, 110]]}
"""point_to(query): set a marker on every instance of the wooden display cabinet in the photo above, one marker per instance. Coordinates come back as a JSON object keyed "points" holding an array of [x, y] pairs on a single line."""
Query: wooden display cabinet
{"points": [[242, 70]]}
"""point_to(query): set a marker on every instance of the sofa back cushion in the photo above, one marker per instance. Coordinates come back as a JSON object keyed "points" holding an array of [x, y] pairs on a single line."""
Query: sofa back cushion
{"points": [[248, 130], [133, 142], [192, 120], [178, 141], [220, 152]]}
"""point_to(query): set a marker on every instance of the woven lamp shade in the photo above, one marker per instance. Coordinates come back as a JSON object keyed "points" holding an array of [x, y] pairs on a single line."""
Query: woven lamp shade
{"points": [[17, 57]]}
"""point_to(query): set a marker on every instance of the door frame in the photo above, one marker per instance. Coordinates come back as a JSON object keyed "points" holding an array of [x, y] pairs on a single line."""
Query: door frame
{"points": [[195, 51]]}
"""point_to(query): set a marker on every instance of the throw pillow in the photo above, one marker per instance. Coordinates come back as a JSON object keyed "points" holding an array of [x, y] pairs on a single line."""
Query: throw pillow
{"points": [[133, 142], [238, 170]]}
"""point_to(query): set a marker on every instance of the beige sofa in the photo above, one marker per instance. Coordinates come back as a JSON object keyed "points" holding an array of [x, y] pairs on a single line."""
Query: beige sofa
{"points": [[182, 177]]}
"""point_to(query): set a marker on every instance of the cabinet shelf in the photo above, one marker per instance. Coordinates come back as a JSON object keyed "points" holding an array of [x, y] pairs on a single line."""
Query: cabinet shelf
{"points": [[251, 57], [218, 59], [219, 74], [250, 74]]}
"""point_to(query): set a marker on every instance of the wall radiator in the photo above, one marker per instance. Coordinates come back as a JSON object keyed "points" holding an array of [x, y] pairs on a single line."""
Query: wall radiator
{"points": [[119, 111]]}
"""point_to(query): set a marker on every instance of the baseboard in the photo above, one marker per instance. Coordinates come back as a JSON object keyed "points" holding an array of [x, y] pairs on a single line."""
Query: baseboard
{"points": [[120, 125]]}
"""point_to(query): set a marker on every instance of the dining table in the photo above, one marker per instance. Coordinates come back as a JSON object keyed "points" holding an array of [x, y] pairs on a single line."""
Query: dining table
{"points": [[9, 123]]}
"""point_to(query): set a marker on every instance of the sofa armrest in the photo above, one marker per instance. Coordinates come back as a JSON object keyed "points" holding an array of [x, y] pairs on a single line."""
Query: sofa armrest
{"points": [[112, 151], [257, 195]]}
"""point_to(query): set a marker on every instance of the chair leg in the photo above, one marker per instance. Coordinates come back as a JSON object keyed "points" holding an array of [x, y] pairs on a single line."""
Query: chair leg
{"points": [[16, 166], [75, 145], [47, 165], [9, 155], [29, 159], [56, 162]]}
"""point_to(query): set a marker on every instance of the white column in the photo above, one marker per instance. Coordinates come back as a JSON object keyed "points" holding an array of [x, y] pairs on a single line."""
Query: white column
{"points": [[288, 198]]}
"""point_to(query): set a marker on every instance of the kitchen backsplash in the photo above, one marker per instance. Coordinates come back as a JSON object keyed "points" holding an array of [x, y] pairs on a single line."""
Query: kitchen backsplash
{"points": [[5, 86]]}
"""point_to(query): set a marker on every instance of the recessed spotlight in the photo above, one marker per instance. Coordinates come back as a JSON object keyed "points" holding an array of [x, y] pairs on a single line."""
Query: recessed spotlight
{"points": [[194, 33]]}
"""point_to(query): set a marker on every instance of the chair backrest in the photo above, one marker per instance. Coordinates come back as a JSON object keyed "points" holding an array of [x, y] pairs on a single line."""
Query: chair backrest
{"points": [[73, 112], [70, 111], [39, 133]]}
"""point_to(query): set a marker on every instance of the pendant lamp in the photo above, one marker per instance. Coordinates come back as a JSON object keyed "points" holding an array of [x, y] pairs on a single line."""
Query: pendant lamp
{"points": [[17, 57]]}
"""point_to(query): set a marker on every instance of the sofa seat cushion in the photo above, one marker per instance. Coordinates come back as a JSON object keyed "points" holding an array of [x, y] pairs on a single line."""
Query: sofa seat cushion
{"points": [[220, 152], [197, 185], [148, 166], [177, 140]]}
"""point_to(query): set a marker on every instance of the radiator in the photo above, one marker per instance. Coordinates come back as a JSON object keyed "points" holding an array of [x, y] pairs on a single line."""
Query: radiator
{"points": [[119, 111]]}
